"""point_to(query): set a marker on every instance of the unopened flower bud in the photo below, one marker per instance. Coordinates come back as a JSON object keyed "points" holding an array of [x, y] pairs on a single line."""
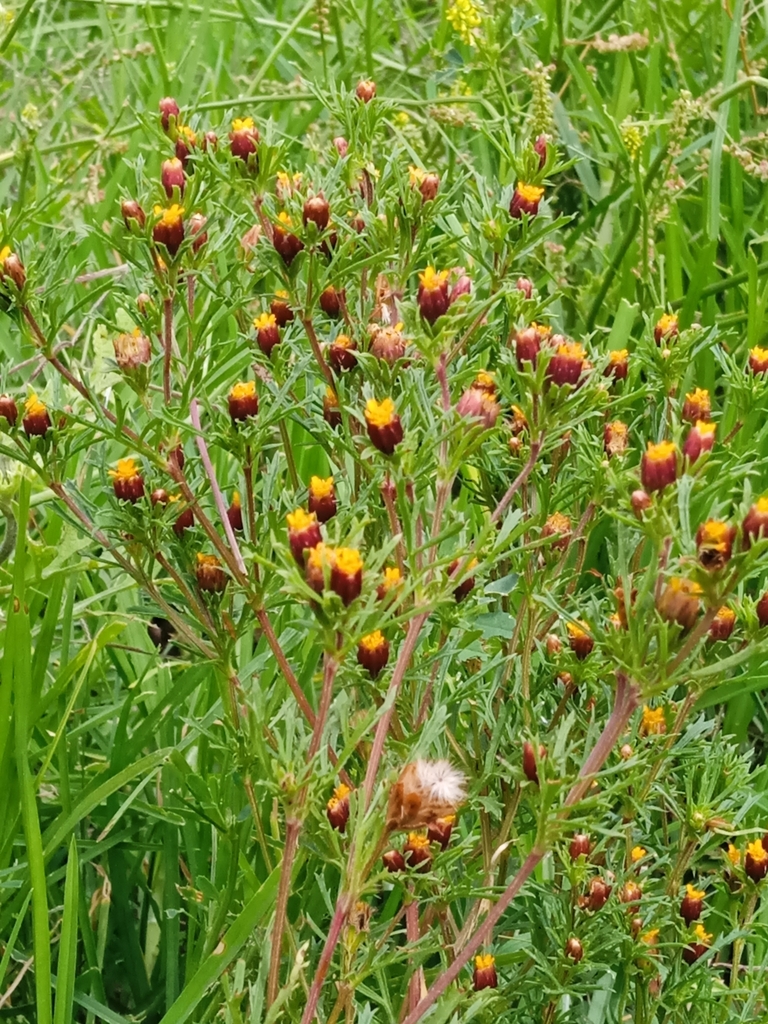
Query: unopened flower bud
{"points": [[243, 401], [477, 403], [580, 846], [341, 146], [666, 328], [267, 332], [567, 364], [680, 602], [384, 427], [365, 90], [183, 522], [235, 513], [554, 645], [439, 831], [330, 302], [132, 213], [337, 808], [197, 231], [641, 501], [322, 498], [463, 286], [127, 481], [528, 344], [243, 139], [630, 895], [417, 852], [172, 176], [722, 624], [185, 143], [540, 147], [169, 227], [484, 974], [468, 583], [169, 108], [658, 468], [331, 411], [36, 421], [281, 311], [11, 268], [697, 406], [530, 768], [341, 353], [701, 438], [432, 297], [373, 653], [525, 200], [144, 303], [210, 141], [626, 751], [761, 608], [317, 210], [692, 904], [696, 950], [286, 243], [599, 893], [429, 187], [211, 577], [303, 533], [393, 861], [579, 640], [525, 285], [9, 411], [618, 364], [574, 950]]}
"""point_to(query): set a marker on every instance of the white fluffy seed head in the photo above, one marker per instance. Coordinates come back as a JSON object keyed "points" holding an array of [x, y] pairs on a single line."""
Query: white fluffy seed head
{"points": [[441, 782]]}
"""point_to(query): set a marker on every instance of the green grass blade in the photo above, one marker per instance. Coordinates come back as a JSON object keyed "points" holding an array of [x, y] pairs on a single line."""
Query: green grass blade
{"points": [[67, 966]]}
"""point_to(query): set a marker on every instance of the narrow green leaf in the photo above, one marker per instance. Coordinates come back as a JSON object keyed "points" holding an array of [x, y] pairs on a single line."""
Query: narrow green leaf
{"points": [[67, 966]]}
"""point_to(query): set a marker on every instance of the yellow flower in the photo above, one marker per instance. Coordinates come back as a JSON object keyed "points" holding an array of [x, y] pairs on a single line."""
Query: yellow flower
{"points": [[34, 407], [702, 934], [734, 856], [171, 216], [694, 893], [244, 389], [484, 961], [432, 279], [379, 414], [242, 124], [348, 561], [650, 937], [464, 16], [373, 641], [321, 487], [638, 852], [654, 722], [126, 470], [300, 520], [530, 193], [415, 175], [265, 320]]}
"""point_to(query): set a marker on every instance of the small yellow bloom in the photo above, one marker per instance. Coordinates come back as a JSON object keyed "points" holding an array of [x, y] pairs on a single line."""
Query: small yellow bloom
{"points": [[321, 487], [379, 414], [638, 852], [245, 389], [464, 17], [300, 520], [373, 641], [265, 320], [703, 936], [734, 855], [432, 279], [170, 216], [653, 723], [348, 561], [126, 470], [530, 193], [694, 893], [242, 124]]}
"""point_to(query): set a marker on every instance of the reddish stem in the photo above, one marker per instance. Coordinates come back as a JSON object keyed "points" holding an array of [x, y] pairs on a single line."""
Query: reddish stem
{"points": [[334, 934]]}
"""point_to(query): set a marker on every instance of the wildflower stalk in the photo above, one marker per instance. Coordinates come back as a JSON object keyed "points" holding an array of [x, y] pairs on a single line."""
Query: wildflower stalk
{"points": [[167, 347]]}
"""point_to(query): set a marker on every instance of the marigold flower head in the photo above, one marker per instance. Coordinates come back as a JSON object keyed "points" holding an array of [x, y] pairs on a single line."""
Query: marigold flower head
{"points": [[321, 487], [649, 938], [300, 520], [373, 641], [379, 414], [348, 561], [432, 279], [126, 470], [242, 124], [530, 193], [734, 855], [757, 851], [265, 320], [171, 215], [702, 935], [653, 722], [484, 960], [638, 852], [34, 407], [694, 893]]}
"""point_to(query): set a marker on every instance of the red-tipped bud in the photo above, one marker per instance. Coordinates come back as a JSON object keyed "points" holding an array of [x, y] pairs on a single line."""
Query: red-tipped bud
{"points": [[666, 328], [197, 231], [365, 90], [615, 438], [243, 401], [477, 403], [722, 624], [9, 411], [417, 852], [185, 143], [159, 496], [579, 640], [373, 653], [127, 481], [318, 211], [286, 244], [630, 895], [172, 176], [388, 343], [755, 525], [525, 200], [132, 350], [322, 498], [267, 332], [701, 438], [714, 544], [756, 861], [393, 861], [132, 213], [696, 950], [697, 406], [580, 846], [658, 468], [463, 286], [599, 893], [331, 410], [554, 645], [574, 950], [243, 139], [210, 576], [330, 302], [557, 526], [618, 364], [680, 602], [530, 768], [484, 974], [183, 522], [210, 141], [337, 808], [640, 501], [169, 227], [758, 360], [429, 186], [341, 146], [36, 421], [391, 583], [303, 533], [281, 311], [692, 905], [525, 285], [11, 268], [567, 364], [432, 297], [761, 608], [384, 427], [169, 108], [540, 147], [439, 831], [341, 353], [235, 513], [467, 585], [346, 574], [528, 344]]}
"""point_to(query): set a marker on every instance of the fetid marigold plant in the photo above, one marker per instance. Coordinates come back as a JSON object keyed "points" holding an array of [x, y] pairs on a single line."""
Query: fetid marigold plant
{"points": [[463, 581]]}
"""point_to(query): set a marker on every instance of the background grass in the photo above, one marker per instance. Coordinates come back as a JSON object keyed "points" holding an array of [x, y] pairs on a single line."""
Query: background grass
{"points": [[96, 797]]}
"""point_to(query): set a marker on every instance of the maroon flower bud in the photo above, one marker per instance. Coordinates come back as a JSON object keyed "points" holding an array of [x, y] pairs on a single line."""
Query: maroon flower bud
{"points": [[439, 831], [280, 309], [758, 360], [554, 646], [667, 328], [185, 143], [211, 578], [615, 438], [243, 139], [722, 624], [184, 521], [695, 951], [530, 768], [525, 200], [618, 364], [756, 861], [631, 894], [429, 187], [9, 411], [267, 332], [432, 296], [132, 350], [697, 406], [197, 231], [417, 852], [484, 974], [12, 268], [574, 950], [331, 411], [755, 525], [384, 427], [169, 227], [127, 481], [641, 502], [365, 90], [303, 533], [599, 892], [714, 544], [762, 610], [317, 210], [580, 846], [169, 108], [467, 585], [243, 401], [346, 574], [341, 146], [680, 602], [286, 244], [172, 176], [36, 421], [337, 808], [476, 403], [579, 640], [322, 498], [159, 497], [235, 513], [330, 302], [388, 343], [540, 147], [463, 286], [393, 861], [525, 285], [528, 343], [373, 653], [341, 353], [658, 468], [692, 905], [132, 213], [210, 141], [701, 438], [567, 364]]}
